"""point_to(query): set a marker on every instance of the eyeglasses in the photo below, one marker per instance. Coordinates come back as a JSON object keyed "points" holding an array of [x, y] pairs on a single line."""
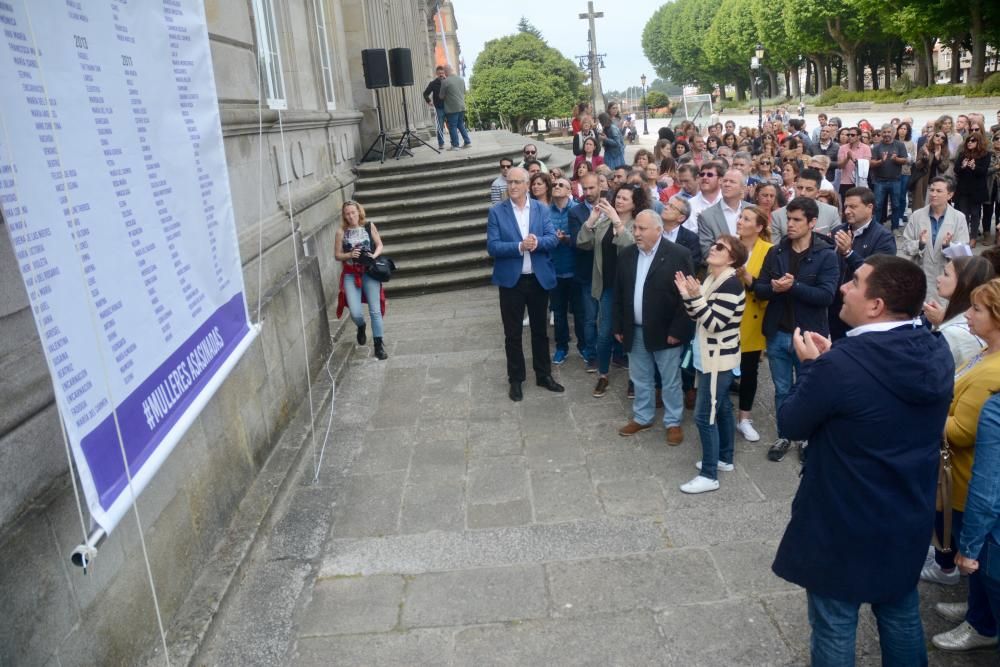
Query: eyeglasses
{"points": [[707, 174], [852, 134], [530, 152], [560, 185], [720, 247]]}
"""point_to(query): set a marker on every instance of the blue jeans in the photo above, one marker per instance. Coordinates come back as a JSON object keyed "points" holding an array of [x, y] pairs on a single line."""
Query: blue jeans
{"points": [[784, 365], [980, 616], [835, 623], [371, 289], [563, 298], [604, 327], [642, 368], [456, 124], [718, 440], [990, 586], [895, 192], [587, 343], [439, 111]]}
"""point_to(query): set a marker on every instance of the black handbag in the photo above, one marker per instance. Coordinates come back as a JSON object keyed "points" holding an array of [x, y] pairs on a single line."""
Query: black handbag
{"points": [[381, 268]]}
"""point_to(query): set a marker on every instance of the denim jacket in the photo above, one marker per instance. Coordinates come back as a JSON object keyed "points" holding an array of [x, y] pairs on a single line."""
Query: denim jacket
{"points": [[982, 507]]}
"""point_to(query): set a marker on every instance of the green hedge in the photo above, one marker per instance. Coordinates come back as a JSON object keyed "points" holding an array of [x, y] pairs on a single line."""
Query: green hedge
{"points": [[837, 94]]}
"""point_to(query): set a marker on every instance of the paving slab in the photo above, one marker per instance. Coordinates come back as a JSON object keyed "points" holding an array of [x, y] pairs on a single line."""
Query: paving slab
{"points": [[353, 605], [468, 597], [415, 647]]}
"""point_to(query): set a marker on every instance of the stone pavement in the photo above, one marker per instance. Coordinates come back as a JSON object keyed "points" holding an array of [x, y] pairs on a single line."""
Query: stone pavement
{"points": [[450, 526]]}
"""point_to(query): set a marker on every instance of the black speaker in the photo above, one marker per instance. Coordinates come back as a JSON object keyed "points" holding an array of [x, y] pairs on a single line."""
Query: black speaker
{"points": [[401, 67], [376, 68]]}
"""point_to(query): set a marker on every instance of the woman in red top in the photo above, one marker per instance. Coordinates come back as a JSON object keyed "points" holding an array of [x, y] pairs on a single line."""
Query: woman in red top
{"points": [[581, 109], [591, 153]]}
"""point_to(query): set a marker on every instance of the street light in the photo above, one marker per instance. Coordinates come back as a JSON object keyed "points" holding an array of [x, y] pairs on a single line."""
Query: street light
{"points": [[755, 65], [645, 127]]}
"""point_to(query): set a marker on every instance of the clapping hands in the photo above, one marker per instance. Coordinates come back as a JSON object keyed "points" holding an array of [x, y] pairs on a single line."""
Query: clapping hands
{"points": [[688, 286]]}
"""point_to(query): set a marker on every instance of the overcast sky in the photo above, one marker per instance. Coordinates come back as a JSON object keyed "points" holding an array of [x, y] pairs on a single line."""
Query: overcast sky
{"points": [[619, 33]]}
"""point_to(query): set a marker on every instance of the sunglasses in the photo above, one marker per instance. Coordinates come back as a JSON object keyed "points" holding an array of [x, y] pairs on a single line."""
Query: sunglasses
{"points": [[506, 166], [529, 152], [852, 134], [720, 247], [706, 174], [560, 185]]}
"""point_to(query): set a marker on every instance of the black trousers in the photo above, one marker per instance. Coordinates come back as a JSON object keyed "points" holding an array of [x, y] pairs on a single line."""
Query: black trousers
{"points": [[513, 300], [749, 364]]}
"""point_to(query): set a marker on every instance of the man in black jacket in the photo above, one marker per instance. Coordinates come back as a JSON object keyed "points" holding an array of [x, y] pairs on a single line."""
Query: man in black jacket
{"points": [[798, 280], [432, 95], [856, 241], [650, 322], [674, 214]]}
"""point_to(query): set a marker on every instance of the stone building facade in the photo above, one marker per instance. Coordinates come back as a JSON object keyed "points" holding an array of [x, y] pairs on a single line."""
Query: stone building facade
{"points": [[317, 122]]}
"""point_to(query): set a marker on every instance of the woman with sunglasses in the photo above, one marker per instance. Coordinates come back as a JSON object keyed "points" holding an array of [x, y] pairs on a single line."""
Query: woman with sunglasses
{"points": [[717, 309], [354, 241], [971, 172], [934, 160]]}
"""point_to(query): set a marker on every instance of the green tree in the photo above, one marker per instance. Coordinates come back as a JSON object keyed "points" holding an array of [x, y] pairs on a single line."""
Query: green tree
{"points": [[525, 26], [729, 42], [656, 100], [518, 78]]}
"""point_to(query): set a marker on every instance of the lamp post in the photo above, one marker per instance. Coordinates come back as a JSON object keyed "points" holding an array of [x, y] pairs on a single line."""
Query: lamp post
{"points": [[645, 127], [755, 65]]}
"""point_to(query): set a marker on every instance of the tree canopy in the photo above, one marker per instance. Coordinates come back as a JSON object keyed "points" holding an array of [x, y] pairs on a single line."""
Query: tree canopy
{"points": [[709, 42], [518, 78]]}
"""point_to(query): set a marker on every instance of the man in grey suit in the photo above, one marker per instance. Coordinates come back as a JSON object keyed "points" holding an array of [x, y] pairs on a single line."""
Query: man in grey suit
{"points": [[807, 186], [721, 217]]}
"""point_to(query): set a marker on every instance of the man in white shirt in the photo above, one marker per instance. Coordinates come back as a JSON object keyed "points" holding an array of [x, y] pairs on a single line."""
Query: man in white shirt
{"points": [[709, 192]]}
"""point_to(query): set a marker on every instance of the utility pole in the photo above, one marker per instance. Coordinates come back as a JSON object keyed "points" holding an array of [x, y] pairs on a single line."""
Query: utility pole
{"points": [[597, 95]]}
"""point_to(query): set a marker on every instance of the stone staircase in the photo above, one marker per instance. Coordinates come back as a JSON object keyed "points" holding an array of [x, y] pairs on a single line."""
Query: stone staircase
{"points": [[431, 210]]}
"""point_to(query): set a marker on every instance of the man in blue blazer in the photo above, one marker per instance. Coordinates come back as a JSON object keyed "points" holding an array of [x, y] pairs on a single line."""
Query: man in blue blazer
{"points": [[857, 240], [519, 238]]}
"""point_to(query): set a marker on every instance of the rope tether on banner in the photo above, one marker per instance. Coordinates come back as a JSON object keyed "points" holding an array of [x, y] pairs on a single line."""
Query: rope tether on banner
{"points": [[92, 311]]}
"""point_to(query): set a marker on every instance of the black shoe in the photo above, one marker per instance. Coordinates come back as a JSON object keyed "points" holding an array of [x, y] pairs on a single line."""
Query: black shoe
{"points": [[550, 384], [362, 338], [515, 392], [779, 449], [380, 349]]}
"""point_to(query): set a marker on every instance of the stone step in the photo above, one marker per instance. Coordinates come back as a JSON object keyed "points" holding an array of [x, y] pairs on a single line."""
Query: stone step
{"points": [[433, 246], [434, 202], [444, 172], [370, 196], [395, 220], [394, 235], [439, 282], [441, 262], [451, 160]]}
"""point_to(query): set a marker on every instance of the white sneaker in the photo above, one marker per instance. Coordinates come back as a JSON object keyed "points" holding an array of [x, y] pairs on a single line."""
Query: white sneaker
{"points": [[525, 322], [700, 485], [746, 429], [552, 319], [934, 574], [963, 638], [952, 611], [724, 467], [929, 558]]}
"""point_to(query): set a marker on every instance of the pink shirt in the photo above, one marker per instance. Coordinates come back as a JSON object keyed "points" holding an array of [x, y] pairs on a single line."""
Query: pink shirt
{"points": [[863, 151]]}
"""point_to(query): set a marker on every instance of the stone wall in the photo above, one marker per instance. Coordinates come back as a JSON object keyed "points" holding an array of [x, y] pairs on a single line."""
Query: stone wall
{"points": [[288, 177]]}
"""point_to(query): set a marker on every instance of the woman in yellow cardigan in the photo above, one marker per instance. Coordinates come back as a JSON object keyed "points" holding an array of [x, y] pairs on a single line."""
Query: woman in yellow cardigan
{"points": [[975, 382], [753, 228]]}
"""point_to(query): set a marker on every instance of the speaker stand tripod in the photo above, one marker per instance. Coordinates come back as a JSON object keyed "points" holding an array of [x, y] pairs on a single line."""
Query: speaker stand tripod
{"points": [[408, 136], [382, 141]]}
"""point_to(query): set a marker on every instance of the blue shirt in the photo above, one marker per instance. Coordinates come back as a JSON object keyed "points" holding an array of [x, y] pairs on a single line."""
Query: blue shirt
{"points": [[982, 505], [935, 224], [562, 255], [641, 271]]}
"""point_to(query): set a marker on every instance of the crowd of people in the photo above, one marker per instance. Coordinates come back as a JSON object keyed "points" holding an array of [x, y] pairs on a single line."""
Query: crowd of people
{"points": [[846, 256]]}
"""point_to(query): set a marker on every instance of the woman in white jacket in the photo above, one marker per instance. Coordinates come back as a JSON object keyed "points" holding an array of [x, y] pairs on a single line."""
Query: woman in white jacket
{"points": [[955, 284]]}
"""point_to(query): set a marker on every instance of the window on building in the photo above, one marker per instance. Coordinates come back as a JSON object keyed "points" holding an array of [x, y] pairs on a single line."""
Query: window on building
{"points": [[324, 54], [269, 54]]}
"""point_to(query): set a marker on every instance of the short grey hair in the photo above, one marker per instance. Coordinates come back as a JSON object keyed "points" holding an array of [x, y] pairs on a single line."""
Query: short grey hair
{"points": [[652, 215], [683, 204], [743, 155]]}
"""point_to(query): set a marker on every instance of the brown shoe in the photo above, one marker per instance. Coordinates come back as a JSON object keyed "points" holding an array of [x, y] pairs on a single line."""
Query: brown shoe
{"points": [[689, 397], [633, 427], [601, 388], [675, 435]]}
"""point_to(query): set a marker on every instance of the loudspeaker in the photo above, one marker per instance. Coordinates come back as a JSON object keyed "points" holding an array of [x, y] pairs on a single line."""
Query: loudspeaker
{"points": [[401, 67], [375, 67]]}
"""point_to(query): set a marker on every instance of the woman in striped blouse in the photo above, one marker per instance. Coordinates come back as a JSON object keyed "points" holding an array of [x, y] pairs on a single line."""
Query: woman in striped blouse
{"points": [[717, 308]]}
